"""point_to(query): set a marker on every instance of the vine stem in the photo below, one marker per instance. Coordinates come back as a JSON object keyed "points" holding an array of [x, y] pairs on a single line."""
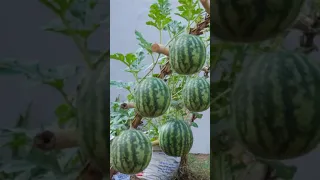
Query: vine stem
{"points": [[221, 95], [81, 46]]}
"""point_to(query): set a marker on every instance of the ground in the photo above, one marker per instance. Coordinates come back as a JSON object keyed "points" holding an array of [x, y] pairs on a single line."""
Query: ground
{"points": [[200, 165]]}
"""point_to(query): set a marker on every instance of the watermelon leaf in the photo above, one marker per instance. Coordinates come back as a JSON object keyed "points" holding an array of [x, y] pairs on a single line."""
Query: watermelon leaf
{"points": [[175, 27], [160, 14], [193, 124], [189, 9], [143, 42], [64, 113]]}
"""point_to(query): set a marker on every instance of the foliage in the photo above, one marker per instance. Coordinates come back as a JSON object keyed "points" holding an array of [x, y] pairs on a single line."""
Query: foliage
{"points": [[164, 21], [77, 20]]}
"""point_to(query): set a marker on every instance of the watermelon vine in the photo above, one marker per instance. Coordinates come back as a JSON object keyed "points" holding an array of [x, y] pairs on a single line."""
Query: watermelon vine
{"points": [[180, 61]]}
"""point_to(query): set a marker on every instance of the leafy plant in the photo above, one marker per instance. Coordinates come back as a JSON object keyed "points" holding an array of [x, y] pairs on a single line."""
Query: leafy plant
{"points": [[165, 20], [77, 20]]}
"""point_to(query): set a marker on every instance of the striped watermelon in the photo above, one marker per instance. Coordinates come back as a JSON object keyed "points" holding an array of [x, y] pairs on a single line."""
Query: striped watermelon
{"points": [[152, 97], [187, 54], [93, 118], [252, 20], [175, 138], [274, 105], [196, 94], [131, 152]]}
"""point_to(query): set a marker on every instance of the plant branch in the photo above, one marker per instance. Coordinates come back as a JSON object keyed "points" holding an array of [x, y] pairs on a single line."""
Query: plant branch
{"points": [[159, 48], [127, 105], [56, 139], [206, 5]]}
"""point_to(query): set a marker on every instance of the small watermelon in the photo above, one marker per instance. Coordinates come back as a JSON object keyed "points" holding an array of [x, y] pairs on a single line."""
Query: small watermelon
{"points": [[196, 94], [152, 97], [187, 54], [131, 152], [175, 138]]}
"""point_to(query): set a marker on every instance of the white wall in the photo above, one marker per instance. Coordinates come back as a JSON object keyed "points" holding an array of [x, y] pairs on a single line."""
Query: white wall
{"points": [[125, 18]]}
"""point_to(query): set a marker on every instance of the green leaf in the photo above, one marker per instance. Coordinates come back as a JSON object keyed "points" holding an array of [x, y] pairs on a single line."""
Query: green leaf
{"points": [[175, 27], [193, 124], [58, 27], [142, 42], [136, 66], [189, 9], [34, 72], [64, 114], [160, 14], [121, 85], [127, 59], [198, 115]]}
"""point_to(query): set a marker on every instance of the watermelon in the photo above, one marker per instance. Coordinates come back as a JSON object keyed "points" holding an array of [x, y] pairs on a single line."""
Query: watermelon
{"points": [[175, 138], [152, 97], [274, 105], [93, 118], [131, 152], [196, 94], [252, 20], [187, 54]]}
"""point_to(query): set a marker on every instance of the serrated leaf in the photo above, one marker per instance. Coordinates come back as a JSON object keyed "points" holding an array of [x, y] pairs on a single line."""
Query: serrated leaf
{"points": [[189, 9], [64, 113], [33, 71], [160, 14], [142, 42], [121, 85], [175, 27], [84, 31]]}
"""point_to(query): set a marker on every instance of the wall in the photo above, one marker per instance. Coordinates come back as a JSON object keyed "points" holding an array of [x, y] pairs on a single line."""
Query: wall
{"points": [[126, 17]]}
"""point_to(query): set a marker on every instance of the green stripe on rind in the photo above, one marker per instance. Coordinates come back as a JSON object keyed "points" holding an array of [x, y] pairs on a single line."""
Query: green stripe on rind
{"points": [[187, 54], [274, 106], [175, 138], [131, 152], [152, 97], [92, 118], [252, 21], [196, 94]]}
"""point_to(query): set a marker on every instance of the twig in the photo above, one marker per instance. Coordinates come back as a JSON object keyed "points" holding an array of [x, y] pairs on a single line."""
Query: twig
{"points": [[159, 48], [127, 105], [206, 5], [56, 139]]}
